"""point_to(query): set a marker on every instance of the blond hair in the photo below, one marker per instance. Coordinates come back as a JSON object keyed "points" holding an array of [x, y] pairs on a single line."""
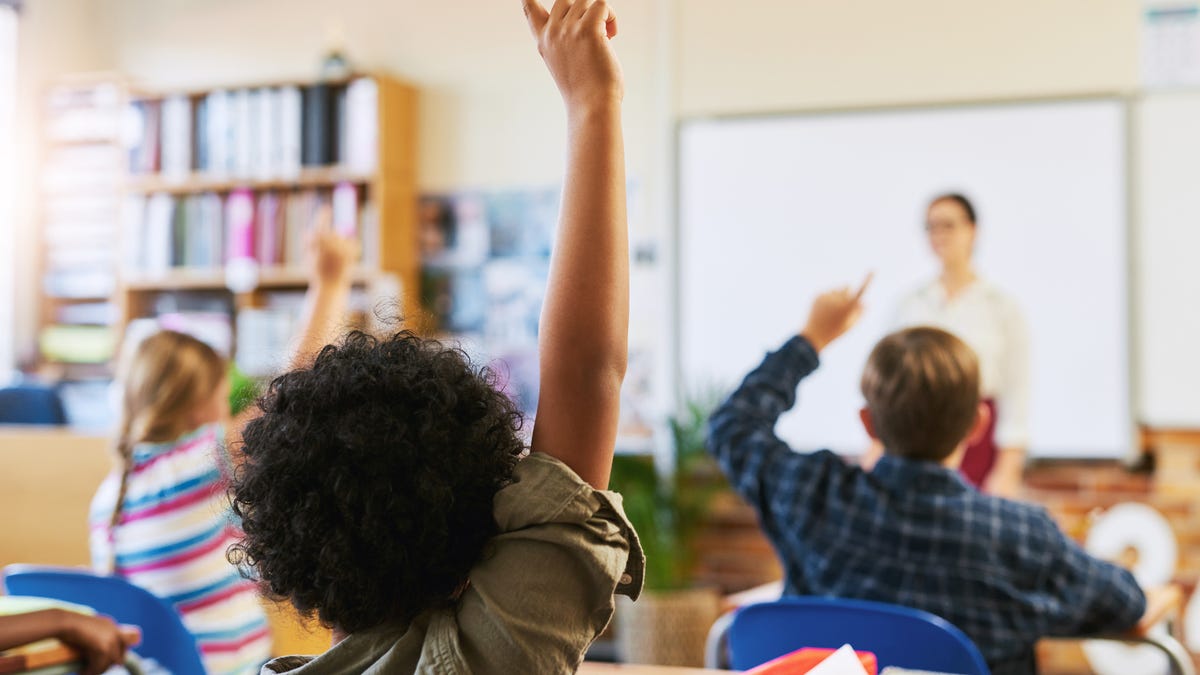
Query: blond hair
{"points": [[166, 378], [922, 390]]}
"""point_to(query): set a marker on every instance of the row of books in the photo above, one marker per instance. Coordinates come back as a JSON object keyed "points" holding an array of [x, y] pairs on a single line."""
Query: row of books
{"points": [[208, 231], [265, 133], [79, 230]]}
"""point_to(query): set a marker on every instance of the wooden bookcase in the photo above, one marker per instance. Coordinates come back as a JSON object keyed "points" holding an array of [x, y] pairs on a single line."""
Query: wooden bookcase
{"points": [[390, 187], [78, 215]]}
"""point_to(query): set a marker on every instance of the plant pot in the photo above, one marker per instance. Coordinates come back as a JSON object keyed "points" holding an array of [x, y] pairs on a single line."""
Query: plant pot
{"points": [[666, 628]]}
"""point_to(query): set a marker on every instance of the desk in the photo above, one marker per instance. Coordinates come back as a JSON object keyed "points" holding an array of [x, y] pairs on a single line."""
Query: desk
{"points": [[589, 668], [46, 487], [48, 656]]}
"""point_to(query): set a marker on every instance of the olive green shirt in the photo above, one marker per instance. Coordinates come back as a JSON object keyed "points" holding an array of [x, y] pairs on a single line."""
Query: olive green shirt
{"points": [[541, 594]]}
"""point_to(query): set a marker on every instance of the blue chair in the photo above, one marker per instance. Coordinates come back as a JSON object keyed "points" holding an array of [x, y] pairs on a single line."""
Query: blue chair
{"points": [[31, 404], [164, 637], [898, 636]]}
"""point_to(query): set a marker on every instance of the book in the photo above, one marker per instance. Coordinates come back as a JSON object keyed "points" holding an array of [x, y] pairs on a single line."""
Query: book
{"points": [[133, 225], [301, 206], [77, 344], [239, 226], [218, 132], [176, 137], [144, 144], [270, 217], [319, 125], [95, 283], [263, 337], [361, 124], [178, 254], [291, 131], [242, 139], [267, 133], [200, 146], [157, 234], [212, 229]]}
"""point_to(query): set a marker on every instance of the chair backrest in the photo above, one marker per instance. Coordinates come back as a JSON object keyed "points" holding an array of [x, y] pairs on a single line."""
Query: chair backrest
{"points": [[898, 636], [164, 637], [31, 404]]}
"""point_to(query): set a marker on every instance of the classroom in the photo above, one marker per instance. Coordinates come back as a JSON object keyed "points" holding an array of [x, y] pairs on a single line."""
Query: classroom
{"points": [[600, 336]]}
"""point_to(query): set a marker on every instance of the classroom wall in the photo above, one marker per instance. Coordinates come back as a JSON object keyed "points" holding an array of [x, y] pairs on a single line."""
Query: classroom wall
{"points": [[782, 55], [491, 118]]}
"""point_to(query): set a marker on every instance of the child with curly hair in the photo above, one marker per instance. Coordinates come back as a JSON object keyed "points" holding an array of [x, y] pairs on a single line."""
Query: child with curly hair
{"points": [[386, 488], [162, 518]]}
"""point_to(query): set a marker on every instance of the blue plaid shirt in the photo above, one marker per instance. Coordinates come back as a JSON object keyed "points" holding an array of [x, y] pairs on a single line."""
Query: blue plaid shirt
{"points": [[912, 533]]}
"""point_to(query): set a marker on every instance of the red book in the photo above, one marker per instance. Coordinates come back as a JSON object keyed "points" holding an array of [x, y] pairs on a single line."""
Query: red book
{"points": [[803, 660]]}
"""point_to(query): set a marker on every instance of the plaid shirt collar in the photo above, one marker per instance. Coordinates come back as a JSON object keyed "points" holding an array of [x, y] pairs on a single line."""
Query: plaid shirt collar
{"points": [[898, 474]]}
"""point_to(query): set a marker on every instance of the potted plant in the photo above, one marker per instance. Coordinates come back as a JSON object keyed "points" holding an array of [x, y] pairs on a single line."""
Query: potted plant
{"points": [[670, 621]]}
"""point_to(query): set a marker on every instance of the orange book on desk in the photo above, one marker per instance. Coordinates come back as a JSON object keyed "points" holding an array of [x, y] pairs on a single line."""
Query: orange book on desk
{"points": [[803, 660]]}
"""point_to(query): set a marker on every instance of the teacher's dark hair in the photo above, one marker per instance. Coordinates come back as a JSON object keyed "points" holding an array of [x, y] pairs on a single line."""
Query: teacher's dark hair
{"points": [[959, 199]]}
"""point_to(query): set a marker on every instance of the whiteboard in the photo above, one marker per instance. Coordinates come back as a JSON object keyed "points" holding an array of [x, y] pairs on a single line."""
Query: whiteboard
{"points": [[774, 210], [1168, 247]]}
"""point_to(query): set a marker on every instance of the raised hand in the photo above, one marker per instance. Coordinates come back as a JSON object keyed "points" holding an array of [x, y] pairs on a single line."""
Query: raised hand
{"points": [[573, 39], [332, 256], [833, 313]]}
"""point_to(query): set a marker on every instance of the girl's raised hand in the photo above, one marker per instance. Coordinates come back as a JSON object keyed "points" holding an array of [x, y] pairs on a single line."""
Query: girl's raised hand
{"points": [[331, 255]]}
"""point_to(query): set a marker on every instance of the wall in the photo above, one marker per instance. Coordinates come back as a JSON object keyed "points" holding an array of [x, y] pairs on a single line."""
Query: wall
{"points": [[490, 116], [782, 55]]}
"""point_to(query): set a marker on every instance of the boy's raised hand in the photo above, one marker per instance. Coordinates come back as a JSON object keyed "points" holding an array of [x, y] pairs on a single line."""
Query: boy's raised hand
{"points": [[833, 313], [572, 38]]}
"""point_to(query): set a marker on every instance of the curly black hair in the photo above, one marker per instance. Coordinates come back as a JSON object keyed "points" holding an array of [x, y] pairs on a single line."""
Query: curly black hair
{"points": [[366, 493]]}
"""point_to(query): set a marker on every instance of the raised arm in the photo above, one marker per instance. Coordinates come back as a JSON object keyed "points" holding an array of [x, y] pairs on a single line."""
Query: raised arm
{"points": [[331, 259], [585, 320], [742, 430], [331, 264]]}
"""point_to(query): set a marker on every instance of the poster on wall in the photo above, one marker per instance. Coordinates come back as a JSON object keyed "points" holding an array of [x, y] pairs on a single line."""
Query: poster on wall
{"points": [[1170, 43], [485, 265]]}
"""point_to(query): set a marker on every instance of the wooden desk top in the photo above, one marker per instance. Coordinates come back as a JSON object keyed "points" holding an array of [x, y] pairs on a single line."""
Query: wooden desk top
{"points": [[42, 654], [589, 668]]}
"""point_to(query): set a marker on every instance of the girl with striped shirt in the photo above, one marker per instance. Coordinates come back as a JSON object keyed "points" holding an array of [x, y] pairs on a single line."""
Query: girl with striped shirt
{"points": [[162, 518]]}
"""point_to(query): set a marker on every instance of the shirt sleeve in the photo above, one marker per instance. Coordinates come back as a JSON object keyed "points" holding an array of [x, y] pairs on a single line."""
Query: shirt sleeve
{"points": [[1012, 425], [760, 465], [546, 587], [1085, 595]]}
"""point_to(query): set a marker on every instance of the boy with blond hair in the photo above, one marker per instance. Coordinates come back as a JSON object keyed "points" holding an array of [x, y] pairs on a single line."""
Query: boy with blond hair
{"points": [[912, 532]]}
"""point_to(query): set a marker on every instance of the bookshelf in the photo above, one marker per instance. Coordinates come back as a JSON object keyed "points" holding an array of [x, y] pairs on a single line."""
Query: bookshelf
{"points": [[222, 183], [78, 211]]}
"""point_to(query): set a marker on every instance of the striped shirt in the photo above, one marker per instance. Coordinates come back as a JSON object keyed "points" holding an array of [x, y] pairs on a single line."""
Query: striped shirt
{"points": [[171, 540]]}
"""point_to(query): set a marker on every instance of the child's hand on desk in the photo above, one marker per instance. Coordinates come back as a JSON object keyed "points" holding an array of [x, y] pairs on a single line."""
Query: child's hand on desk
{"points": [[101, 641], [332, 256], [1161, 603], [833, 313], [573, 40]]}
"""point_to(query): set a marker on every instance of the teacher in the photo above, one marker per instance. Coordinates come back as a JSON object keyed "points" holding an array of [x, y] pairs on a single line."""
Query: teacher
{"points": [[988, 320]]}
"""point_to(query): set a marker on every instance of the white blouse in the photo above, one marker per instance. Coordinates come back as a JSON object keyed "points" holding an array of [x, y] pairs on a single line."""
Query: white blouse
{"points": [[991, 323]]}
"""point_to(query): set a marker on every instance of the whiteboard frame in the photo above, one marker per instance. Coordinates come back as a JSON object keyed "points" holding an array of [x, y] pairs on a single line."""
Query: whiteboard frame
{"points": [[1125, 100]]}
